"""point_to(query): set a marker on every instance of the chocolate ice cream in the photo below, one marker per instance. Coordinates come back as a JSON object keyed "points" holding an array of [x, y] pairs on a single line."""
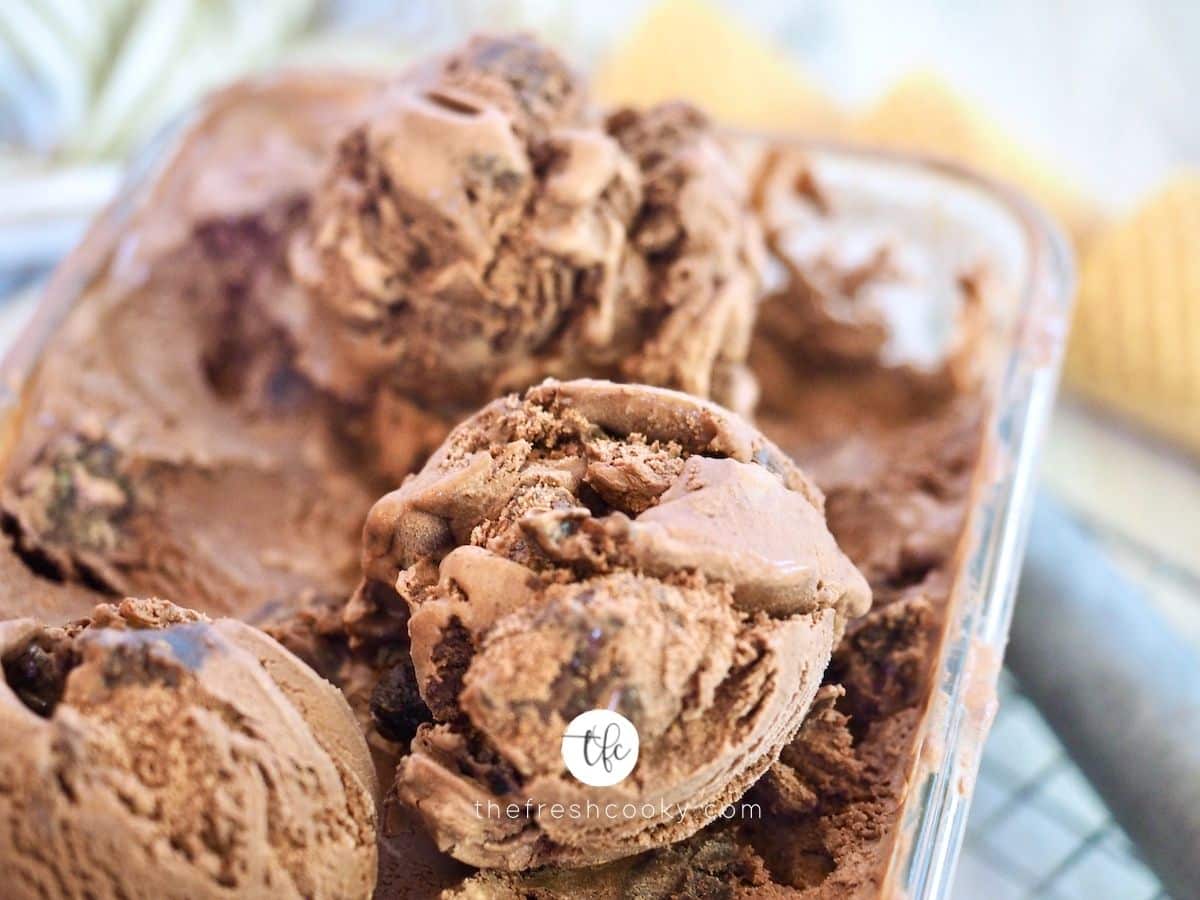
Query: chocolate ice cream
{"points": [[483, 229], [859, 289], [150, 752], [324, 275], [592, 545], [288, 317], [821, 824], [166, 443]]}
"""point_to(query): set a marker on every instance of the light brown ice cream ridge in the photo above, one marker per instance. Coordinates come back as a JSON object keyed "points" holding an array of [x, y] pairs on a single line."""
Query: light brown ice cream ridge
{"points": [[593, 545], [150, 752]]}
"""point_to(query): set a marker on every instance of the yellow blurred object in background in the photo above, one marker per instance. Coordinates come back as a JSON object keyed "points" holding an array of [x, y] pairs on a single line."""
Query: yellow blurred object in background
{"points": [[688, 49], [922, 112], [1136, 339]]}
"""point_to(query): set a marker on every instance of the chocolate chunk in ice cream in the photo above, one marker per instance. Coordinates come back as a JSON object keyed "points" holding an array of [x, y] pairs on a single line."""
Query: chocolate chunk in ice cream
{"points": [[150, 751], [482, 230], [592, 545]]}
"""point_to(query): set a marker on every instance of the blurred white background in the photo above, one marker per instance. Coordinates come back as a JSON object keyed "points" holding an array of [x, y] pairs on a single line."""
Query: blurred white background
{"points": [[1105, 91], [1105, 88]]}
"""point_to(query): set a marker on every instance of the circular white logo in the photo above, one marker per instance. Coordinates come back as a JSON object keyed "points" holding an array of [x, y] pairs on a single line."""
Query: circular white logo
{"points": [[600, 747]]}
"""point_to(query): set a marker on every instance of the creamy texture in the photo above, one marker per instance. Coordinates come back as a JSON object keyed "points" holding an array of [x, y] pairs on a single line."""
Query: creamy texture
{"points": [[593, 545], [483, 229], [28, 592], [167, 443], [149, 752]]}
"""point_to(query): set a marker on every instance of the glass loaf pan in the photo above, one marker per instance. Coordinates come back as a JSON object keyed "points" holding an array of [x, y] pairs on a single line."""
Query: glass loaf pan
{"points": [[1028, 315]]}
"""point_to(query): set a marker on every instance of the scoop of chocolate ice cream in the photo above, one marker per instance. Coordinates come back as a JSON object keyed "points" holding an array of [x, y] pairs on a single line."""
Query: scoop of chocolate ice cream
{"points": [[153, 752], [590, 545], [483, 229], [857, 287]]}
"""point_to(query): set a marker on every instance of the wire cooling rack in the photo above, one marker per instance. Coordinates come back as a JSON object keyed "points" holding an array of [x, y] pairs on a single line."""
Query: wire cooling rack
{"points": [[1037, 829]]}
